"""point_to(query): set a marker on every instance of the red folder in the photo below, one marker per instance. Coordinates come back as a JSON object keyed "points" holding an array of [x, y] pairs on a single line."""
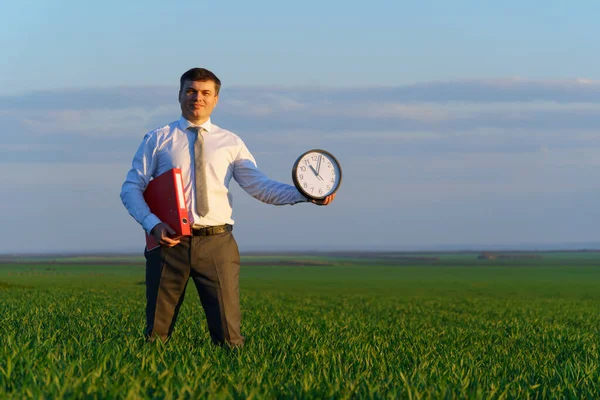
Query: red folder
{"points": [[166, 199]]}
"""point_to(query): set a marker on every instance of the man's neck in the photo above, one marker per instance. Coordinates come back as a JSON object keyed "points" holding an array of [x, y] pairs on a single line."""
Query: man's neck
{"points": [[197, 122]]}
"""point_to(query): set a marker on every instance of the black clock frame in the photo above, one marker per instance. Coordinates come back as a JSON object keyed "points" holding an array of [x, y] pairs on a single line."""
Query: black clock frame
{"points": [[297, 184]]}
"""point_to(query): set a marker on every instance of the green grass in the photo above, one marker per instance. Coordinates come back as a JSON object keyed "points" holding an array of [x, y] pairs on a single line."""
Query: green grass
{"points": [[455, 328]]}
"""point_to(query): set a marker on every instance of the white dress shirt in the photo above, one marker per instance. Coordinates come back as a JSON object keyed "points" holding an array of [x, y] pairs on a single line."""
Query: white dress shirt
{"points": [[225, 156]]}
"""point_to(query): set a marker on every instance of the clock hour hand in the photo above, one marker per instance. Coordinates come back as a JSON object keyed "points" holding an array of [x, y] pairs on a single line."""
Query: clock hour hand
{"points": [[315, 171]]}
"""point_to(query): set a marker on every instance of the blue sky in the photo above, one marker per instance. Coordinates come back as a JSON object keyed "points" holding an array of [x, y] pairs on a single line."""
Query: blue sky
{"points": [[460, 124], [102, 44]]}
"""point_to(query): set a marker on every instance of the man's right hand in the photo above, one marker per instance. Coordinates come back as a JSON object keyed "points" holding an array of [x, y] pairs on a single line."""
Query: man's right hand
{"points": [[161, 232]]}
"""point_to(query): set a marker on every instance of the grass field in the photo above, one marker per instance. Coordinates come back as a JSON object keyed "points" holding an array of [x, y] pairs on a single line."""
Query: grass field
{"points": [[393, 326]]}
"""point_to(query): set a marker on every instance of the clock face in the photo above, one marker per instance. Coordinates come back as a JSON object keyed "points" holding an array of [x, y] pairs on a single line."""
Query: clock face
{"points": [[317, 174]]}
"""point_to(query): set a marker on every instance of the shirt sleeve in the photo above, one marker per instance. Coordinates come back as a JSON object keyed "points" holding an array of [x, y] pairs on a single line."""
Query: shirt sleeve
{"points": [[259, 186], [132, 192]]}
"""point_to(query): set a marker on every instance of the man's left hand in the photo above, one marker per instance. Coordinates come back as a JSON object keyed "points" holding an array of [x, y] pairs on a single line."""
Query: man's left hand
{"points": [[323, 202]]}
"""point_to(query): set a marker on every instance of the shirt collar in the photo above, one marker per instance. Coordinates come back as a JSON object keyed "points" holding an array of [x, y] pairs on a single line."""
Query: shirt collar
{"points": [[184, 124]]}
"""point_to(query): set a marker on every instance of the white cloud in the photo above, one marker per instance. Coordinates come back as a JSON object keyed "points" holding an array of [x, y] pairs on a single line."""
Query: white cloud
{"points": [[60, 175], [91, 122], [442, 153]]}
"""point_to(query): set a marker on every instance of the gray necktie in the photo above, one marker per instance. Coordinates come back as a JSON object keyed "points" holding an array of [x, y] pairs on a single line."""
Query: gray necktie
{"points": [[201, 192]]}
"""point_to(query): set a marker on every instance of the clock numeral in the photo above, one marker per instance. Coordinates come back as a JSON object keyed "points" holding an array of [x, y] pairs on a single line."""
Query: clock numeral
{"points": [[320, 191], [312, 189], [328, 187], [300, 176], [305, 185], [302, 168], [329, 164], [314, 158], [332, 180]]}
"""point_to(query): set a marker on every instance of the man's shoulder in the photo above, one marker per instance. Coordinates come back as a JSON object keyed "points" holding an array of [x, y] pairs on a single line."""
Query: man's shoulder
{"points": [[163, 131], [226, 133]]}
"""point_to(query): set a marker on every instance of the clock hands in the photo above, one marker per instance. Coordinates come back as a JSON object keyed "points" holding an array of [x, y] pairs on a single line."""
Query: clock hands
{"points": [[319, 164], [315, 171], [319, 167]]}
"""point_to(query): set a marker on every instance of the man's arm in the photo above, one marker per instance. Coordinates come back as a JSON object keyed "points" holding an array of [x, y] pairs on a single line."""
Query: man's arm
{"points": [[262, 188], [142, 169]]}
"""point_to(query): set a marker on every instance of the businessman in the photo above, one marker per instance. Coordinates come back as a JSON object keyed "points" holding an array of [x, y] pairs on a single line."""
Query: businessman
{"points": [[208, 156]]}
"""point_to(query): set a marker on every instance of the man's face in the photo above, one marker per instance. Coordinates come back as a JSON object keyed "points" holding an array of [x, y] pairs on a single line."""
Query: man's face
{"points": [[197, 100]]}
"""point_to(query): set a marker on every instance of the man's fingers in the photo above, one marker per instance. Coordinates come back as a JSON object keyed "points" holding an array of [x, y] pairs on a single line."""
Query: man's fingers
{"points": [[169, 242], [328, 199], [161, 232], [325, 201]]}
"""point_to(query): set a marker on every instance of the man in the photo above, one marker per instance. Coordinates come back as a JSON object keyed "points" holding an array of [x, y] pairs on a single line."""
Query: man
{"points": [[208, 157]]}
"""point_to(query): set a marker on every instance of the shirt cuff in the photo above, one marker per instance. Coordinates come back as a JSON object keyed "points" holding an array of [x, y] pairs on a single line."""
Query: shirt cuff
{"points": [[150, 222], [300, 199]]}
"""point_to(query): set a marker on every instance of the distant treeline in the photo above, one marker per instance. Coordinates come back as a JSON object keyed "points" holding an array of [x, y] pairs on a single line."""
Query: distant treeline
{"points": [[509, 256]]}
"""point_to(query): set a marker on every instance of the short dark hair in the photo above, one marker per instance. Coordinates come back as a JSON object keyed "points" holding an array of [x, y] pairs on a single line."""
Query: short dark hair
{"points": [[202, 75]]}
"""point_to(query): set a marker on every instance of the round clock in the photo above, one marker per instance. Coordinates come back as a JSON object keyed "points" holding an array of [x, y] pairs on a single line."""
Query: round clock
{"points": [[317, 174]]}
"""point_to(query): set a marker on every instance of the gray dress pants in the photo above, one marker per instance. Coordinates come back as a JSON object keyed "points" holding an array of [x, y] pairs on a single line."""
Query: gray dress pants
{"points": [[213, 263]]}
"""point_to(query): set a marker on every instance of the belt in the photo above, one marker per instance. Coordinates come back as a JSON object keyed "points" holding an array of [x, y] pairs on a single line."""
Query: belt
{"points": [[212, 230]]}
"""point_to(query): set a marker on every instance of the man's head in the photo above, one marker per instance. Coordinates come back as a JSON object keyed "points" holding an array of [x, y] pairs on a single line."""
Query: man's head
{"points": [[198, 94]]}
